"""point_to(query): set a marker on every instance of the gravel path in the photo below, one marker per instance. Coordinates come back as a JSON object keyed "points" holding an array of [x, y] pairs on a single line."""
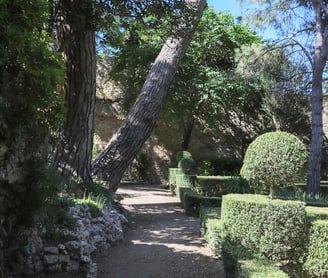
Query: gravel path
{"points": [[160, 241]]}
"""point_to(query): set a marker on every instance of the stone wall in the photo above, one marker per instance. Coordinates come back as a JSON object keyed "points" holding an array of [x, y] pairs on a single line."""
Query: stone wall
{"points": [[71, 249]]}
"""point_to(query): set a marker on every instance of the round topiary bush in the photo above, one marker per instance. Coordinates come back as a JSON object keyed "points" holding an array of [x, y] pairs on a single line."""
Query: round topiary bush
{"points": [[274, 160]]}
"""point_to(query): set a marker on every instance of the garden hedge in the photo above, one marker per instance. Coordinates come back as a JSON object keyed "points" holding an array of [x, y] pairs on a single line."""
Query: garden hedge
{"points": [[215, 186], [172, 178], [316, 264], [274, 228], [237, 262], [192, 201], [184, 181]]}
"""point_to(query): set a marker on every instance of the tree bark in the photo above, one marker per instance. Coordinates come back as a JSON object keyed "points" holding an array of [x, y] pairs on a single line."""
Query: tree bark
{"points": [[76, 40], [123, 147], [187, 135], [319, 62]]}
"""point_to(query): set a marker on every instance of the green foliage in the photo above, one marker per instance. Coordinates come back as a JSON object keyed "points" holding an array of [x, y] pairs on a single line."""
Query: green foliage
{"points": [[95, 204], [274, 228], [220, 185], [203, 85], [188, 166], [220, 166], [316, 263], [182, 154], [274, 160], [185, 181], [30, 72], [211, 227], [172, 178], [143, 164], [238, 261], [192, 201]]}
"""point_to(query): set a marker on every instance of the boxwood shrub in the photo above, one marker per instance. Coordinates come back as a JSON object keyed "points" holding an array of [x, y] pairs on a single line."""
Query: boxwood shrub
{"points": [[238, 262], [274, 228], [220, 185], [183, 180], [192, 201], [316, 263], [172, 178]]}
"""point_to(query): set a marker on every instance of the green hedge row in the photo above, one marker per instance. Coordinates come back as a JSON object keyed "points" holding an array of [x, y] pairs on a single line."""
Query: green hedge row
{"points": [[172, 178], [274, 228], [220, 185], [238, 262], [192, 201], [316, 263]]}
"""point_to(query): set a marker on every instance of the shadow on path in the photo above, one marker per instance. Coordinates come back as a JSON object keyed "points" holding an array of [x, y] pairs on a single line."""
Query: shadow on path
{"points": [[160, 241]]}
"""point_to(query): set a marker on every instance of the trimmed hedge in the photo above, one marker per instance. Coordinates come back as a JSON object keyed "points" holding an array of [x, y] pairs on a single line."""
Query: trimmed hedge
{"points": [[274, 228], [211, 226], [316, 263], [237, 261], [215, 186], [172, 178], [192, 201], [185, 181]]}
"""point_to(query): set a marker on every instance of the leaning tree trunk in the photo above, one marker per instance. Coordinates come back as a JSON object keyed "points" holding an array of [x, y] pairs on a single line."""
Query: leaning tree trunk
{"points": [[319, 62], [123, 147], [76, 40]]}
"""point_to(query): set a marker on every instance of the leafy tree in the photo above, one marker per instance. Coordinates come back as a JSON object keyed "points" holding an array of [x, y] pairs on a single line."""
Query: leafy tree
{"points": [[205, 81], [112, 162], [31, 110], [304, 26], [274, 160], [76, 24]]}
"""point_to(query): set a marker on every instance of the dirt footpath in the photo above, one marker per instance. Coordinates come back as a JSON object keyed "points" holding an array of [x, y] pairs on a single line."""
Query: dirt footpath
{"points": [[160, 240]]}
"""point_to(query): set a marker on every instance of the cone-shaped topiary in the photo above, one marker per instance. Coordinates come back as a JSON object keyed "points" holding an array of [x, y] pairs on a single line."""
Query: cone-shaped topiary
{"points": [[274, 160]]}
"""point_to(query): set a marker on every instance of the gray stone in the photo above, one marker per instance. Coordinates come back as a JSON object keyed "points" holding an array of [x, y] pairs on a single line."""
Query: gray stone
{"points": [[51, 250], [64, 258], [51, 259], [72, 266]]}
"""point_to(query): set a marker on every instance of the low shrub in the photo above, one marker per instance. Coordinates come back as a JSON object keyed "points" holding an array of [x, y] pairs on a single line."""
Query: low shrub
{"points": [[95, 204], [238, 261], [172, 179], [192, 202], [215, 186], [188, 166], [183, 180], [257, 266], [274, 228], [316, 263]]}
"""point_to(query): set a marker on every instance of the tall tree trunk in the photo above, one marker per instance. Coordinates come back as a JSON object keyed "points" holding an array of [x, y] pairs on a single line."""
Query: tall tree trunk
{"points": [[123, 147], [187, 135], [319, 62], [76, 40]]}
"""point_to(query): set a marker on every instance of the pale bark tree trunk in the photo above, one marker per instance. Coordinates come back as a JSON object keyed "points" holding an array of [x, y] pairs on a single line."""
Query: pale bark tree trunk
{"points": [[123, 147], [76, 40], [319, 62]]}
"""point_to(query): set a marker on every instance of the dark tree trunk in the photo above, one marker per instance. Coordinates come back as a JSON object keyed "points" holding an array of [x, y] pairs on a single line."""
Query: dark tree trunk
{"points": [[76, 40], [123, 147], [319, 62], [187, 135]]}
